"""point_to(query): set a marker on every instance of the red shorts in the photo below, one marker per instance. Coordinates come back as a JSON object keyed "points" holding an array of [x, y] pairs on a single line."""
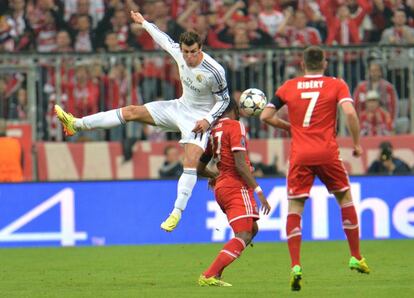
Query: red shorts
{"points": [[237, 203], [300, 178]]}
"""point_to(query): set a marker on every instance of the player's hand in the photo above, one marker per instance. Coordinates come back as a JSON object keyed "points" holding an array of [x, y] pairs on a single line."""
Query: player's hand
{"points": [[265, 205], [357, 151], [137, 17], [201, 126]]}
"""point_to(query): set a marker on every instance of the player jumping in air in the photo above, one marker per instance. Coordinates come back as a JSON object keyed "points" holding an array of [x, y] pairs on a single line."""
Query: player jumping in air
{"points": [[205, 97], [312, 102], [234, 187]]}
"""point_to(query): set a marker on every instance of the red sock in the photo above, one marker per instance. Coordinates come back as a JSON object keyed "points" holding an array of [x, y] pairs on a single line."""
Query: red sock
{"points": [[227, 255], [294, 237], [351, 229]]}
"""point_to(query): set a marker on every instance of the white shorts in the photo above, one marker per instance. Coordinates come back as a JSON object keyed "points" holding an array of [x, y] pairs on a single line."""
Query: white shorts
{"points": [[173, 115]]}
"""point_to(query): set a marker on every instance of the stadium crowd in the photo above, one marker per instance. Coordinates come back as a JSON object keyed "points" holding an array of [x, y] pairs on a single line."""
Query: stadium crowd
{"points": [[85, 26]]}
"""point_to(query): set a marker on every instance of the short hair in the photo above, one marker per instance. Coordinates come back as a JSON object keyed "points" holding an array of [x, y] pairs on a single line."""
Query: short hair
{"points": [[313, 58], [189, 38], [233, 106], [168, 148], [400, 10]]}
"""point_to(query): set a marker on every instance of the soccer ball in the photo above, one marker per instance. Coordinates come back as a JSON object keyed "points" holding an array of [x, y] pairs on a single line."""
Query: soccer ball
{"points": [[252, 101]]}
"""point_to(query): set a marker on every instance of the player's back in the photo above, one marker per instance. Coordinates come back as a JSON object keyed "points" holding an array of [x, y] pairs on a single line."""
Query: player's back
{"points": [[228, 136], [312, 106]]}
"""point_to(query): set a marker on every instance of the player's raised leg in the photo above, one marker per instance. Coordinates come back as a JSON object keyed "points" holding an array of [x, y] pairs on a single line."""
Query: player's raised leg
{"points": [[103, 120], [294, 239], [243, 231], [351, 229], [186, 183]]}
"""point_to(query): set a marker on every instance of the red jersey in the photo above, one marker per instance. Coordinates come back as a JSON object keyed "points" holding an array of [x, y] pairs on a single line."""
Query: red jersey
{"points": [[312, 103], [227, 136]]}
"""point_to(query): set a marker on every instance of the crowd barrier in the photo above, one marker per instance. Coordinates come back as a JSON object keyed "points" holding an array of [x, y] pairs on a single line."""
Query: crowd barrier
{"points": [[130, 212]]}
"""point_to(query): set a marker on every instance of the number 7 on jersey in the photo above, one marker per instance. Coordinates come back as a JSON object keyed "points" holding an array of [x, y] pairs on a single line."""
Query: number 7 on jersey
{"points": [[313, 96]]}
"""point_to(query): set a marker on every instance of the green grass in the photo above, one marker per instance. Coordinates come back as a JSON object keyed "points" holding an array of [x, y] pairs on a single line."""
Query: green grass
{"points": [[172, 271]]}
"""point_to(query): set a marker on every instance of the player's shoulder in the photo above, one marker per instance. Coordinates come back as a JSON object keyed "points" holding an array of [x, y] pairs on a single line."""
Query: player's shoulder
{"points": [[334, 80], [211, 64], [227, 124]]}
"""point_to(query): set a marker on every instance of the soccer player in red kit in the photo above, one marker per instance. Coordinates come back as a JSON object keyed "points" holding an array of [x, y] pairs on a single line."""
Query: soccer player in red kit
{"points": [[233, 189], [312, 102]]}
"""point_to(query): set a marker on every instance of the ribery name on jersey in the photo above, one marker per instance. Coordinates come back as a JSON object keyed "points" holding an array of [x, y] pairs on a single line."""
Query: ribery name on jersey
{"points": [[310, 84]]}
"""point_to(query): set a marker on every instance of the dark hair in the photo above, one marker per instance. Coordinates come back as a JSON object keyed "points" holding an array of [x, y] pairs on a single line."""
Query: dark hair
{"points": [[168, 148], [233, 106], [400, 10], [313, 58], [189, 38]]}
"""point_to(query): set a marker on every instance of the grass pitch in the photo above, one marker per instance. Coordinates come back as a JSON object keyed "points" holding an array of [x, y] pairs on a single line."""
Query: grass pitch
{"points": [[172, 271]]}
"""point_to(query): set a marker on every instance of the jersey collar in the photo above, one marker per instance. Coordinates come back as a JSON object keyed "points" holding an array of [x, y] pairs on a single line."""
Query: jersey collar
{"points": [[313, 76]]}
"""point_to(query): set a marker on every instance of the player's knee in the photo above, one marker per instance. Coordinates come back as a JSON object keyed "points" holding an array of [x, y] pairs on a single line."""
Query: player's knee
{"points": [[255, 229], [131, 113], [190, 161], [245, 235]]}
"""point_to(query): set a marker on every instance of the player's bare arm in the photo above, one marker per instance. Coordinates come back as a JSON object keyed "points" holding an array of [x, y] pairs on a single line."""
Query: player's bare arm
{"points": [[203, 170], [244, 171], [269, 116], [353, 126]]}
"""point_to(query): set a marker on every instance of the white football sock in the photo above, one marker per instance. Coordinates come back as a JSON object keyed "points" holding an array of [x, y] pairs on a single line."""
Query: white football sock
{"points": [[106, 119], [184, 189]]}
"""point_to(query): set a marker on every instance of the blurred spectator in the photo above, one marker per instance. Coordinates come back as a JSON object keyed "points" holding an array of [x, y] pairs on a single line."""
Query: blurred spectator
{"points": [[46, 19], [18, 108], [9, 84], [83, 94], [19, 25], [343, 29], [11, 158], [206, 26], [93, 8], [83, 37], [381, 17], [400, 33], [270, 19], [7, 35], [387, 163], [298, 34], [388, 97], [63, 42], [262, 170], [115, 20], [111, 42], [172, 166], [375, 121]]}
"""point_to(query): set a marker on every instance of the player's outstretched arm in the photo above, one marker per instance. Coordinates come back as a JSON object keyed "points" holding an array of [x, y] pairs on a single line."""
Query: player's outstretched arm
{"points": [[159, 37], [353, 126], [244, 171], [269, 116]]}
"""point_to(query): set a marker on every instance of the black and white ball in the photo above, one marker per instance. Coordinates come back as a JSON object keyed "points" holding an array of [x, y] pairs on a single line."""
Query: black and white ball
{"points": [[252, 101]]}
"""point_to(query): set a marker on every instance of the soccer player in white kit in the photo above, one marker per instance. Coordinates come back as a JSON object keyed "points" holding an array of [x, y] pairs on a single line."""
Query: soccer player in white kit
{"points": [[205, 97]]}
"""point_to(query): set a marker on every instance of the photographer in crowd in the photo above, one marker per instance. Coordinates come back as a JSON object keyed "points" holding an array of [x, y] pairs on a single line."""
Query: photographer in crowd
{"points": [[387, 163]]}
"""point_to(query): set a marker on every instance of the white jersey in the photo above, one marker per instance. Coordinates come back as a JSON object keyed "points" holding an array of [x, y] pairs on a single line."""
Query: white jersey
{"points": [[204, 86]]}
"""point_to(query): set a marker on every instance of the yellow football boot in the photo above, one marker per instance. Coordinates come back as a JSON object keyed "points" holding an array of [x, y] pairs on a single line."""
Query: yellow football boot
{"points": [[67, 120], [212, 282]]}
